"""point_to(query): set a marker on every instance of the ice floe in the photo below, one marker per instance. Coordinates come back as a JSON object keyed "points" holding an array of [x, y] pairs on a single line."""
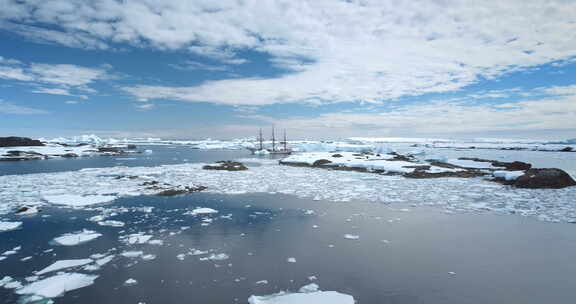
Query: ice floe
{"points": [[309, 294], [111, 223], [76, 238], [7, 226], [56, 286], [201, 211], [64, 264], [78, 200]]}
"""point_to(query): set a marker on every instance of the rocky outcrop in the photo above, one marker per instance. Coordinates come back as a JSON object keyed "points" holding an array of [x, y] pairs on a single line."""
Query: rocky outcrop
{"points": [[14, 141], [512, 166], [321, 162], [21, 155], [226, 165], [542, 178], [181, 190]]}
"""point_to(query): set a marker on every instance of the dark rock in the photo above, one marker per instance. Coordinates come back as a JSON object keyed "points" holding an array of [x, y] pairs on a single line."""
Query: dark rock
{"points": [[337, 155], [181, 190], [400, 157], [226, 165], [23, 209], [69, 155], [511, 166], [110, 149], [131, 147], [544, 178], [567, 149], [321, 162], [14, 141]]}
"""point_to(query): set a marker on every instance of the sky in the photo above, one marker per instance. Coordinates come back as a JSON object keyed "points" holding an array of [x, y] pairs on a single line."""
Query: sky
{"points": [[317, 68]]}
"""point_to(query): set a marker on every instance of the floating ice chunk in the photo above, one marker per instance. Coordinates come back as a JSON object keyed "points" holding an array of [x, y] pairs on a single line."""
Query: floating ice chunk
{"points": [[13, 251], [111, 223], [9, 283], [57, 285], [201, 211], [132, 254], [312, 287], [291, 260], [76, 238], [78, 200], [105, 260], [307, 297], [181, 256], [130, 282], [148, 257], [137, 238], [216, 257], [262, 282], [63, 264], [156, 242], [7, 226], [351, 236]]}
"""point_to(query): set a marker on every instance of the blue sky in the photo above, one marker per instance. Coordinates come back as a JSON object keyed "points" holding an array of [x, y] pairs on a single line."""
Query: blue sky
{"points": [[321, 69]]}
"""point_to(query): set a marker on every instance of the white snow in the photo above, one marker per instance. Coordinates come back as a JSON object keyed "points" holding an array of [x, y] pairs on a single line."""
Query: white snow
{"points": [[309, 295], [64, 264], [57, 285], [7, 226], [76, 238]]}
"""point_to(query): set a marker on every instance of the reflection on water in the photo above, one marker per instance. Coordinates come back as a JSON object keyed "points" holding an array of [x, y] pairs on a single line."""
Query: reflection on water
{"points": [[401, 256]]}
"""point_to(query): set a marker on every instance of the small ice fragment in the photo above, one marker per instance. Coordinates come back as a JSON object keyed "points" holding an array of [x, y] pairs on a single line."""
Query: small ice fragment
{"points": [[451, 273], [156, 242], [148, 257], [316, 297], [111, 223], [13, 251], [312, 278], [351, 236], [181, 256], [216, 257], [291, 260], [132, 254], [262, 282], [130, 282], [26, 258], [137, 238], [201, 211], [76, 238]]}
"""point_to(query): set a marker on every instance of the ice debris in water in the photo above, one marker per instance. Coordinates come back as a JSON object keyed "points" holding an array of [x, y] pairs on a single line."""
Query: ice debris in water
{"points": [[132, 254], [454, 194], [12, 251], [9, 283], [309, 294], [351, 236], [137, 238], [201, 211], [130, 282], [291, 260], [216, 257], [7, 226], [64, 264], [111, 223], [55, 286], [76, 238]]}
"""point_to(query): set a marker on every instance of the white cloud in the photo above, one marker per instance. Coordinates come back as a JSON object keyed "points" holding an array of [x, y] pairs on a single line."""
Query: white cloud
{"points": [[145, 106], [190, 65], [71, 102], [369, 50], [8, 108], [561, 90]]}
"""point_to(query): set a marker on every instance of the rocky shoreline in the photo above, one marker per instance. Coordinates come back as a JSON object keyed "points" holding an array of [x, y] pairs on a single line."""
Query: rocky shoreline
{"points": [[516, 173]]}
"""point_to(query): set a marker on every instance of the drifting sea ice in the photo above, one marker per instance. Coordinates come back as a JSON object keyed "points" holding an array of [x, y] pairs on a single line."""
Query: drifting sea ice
{"points": [[201, 211], [453, 194], [308, 294], [55, 286], [7, 226], [78, 200], [76, 238], [64, 264]]}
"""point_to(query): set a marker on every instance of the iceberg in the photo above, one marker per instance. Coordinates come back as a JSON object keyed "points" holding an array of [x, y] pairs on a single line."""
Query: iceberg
{"points": [[57, 285]]}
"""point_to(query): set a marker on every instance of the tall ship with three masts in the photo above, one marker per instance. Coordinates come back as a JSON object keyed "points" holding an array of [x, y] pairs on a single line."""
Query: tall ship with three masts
{"points": [[281, 148]]}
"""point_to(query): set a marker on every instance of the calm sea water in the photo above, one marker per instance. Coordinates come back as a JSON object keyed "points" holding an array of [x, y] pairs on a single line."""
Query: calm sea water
{"points": [[401, 256]]}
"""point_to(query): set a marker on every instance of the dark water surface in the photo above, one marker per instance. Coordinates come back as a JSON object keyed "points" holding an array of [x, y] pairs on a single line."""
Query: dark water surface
{"points": [[161, 155], [496, 259]]}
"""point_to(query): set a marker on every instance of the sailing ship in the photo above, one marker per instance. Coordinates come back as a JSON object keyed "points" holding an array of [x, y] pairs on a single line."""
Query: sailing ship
{"points": [[261, 150]]}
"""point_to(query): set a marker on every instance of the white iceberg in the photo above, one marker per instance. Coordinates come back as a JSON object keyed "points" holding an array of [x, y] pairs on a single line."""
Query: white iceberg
{"points": [[76, 238], [201, 211]]}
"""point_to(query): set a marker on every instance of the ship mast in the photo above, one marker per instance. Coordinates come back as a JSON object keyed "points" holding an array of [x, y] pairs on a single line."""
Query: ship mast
{"points": [[260, 139], [285, 142], [273, 140]]}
